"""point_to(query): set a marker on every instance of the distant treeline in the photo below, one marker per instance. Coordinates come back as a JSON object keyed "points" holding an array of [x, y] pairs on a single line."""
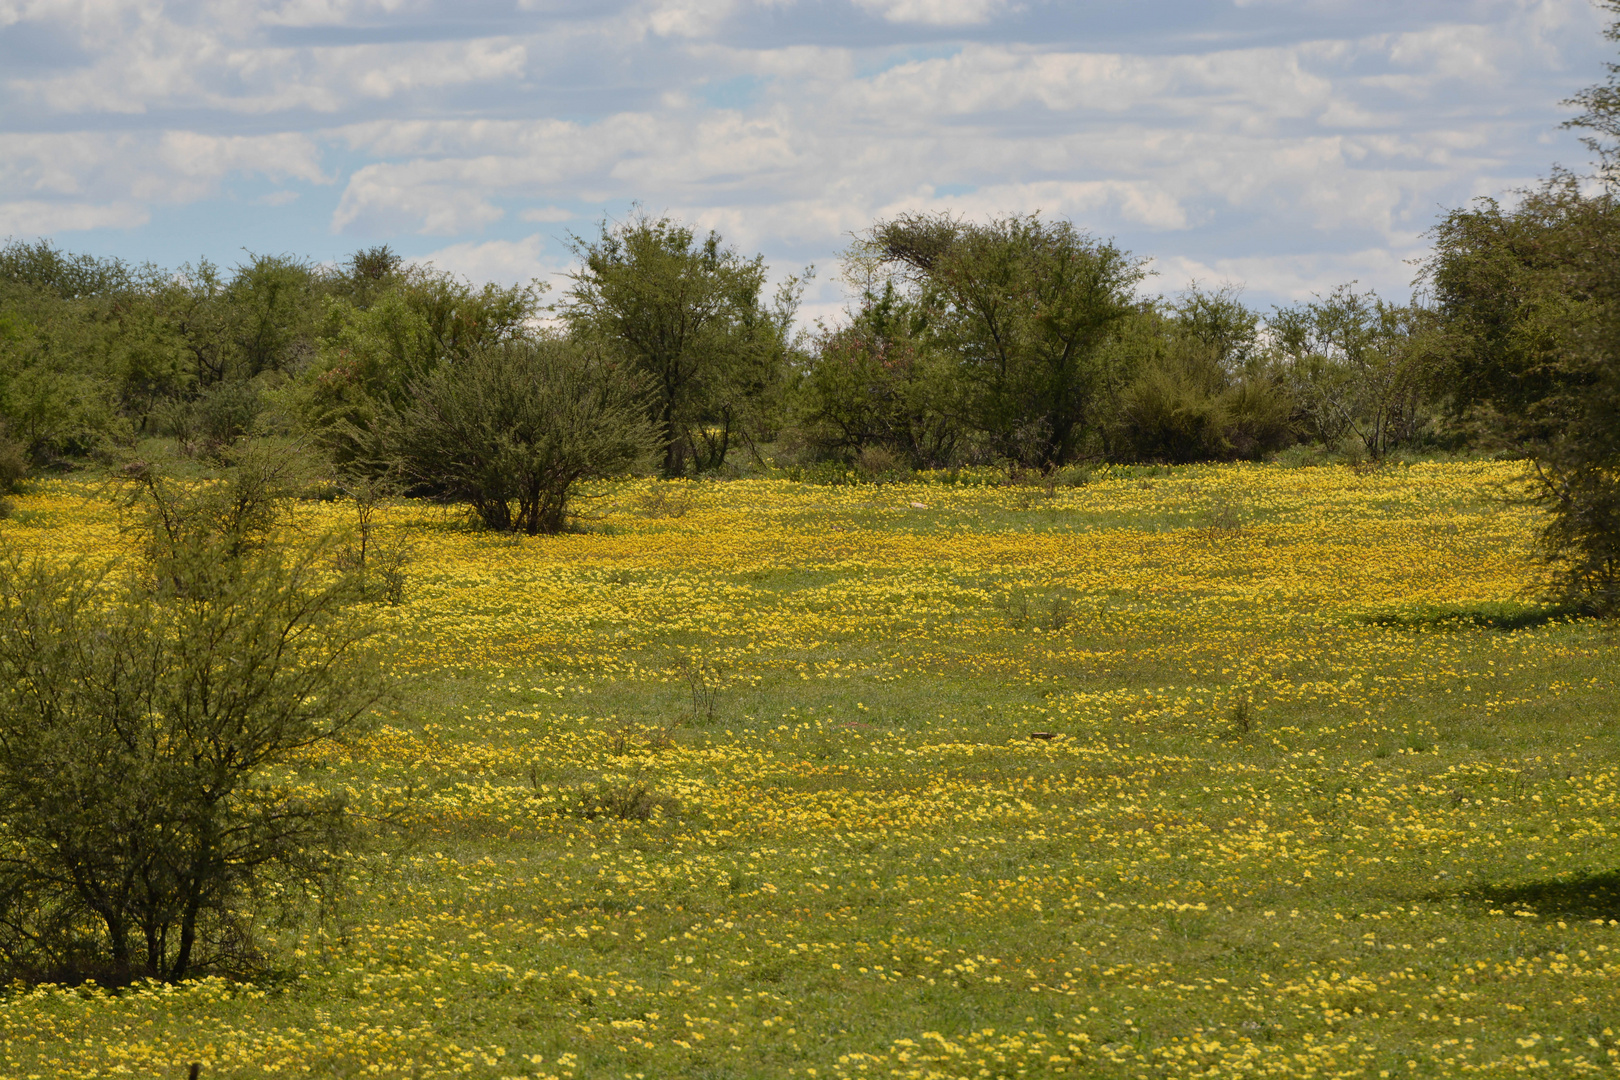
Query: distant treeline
{"points": [[1020, 341]]}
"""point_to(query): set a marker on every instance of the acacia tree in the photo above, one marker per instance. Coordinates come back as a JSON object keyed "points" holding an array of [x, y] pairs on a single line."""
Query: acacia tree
{"points": [[1026, 307], [875, 383], [389, 329], [1600, 108], [521, 422], [1201, 383], [1530, 327], [1530, 324], [141, 715], [687, 314], [1358, 366]]}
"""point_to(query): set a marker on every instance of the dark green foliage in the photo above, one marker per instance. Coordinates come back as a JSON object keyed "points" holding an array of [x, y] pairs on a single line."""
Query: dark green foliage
{"points": [[140, 717], [13, 463], [1026, 309], [1168, 414], [877, 385], [1359, 368], [1530, 319], [368, 274], [686, 314], [1529, 312], [93, 352], [63, 354], [1204, 388], [1518, 293], [223, 413], [272, 316], [512, 428], [386, 329], [1580, 486]]}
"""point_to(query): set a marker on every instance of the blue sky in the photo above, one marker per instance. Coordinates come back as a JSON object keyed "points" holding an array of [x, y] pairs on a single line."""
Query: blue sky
{"points": [[1282, 145]]}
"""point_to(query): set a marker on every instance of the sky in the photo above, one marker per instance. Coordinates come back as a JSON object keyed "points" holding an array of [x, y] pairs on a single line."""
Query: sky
{"points": [[1281, 146]]}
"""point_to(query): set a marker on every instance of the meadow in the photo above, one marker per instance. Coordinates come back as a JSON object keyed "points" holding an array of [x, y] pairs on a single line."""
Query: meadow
{"points": [[742, 779]]}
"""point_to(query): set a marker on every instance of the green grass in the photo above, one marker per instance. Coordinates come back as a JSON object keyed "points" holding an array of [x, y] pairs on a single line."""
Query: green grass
{"points": [[1330, 795]]}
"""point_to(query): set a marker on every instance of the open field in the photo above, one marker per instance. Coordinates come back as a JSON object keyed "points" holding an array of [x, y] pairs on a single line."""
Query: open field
{"points": [[738, 782]]}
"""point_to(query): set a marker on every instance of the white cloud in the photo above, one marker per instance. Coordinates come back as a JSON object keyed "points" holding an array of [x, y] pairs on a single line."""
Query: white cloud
{"points": [[1293, 277], [428, 197], [510, 262], [1307, 156], [937, 12], [285, 156], [547, 213], [165, 167], [156, 63], [688, 18], [39, 218], [334, 12]]}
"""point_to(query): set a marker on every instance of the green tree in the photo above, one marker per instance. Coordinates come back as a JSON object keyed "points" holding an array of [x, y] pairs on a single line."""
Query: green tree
{"points": [[273, 303], [1529, 311], [1027, 308], [513, 428], [367, 274], [386, 329], [685, 313], [1203, 386], [69, 355], [1529, 317], [142, 716], [1519, 296], [1359, 366], [876, 383]]}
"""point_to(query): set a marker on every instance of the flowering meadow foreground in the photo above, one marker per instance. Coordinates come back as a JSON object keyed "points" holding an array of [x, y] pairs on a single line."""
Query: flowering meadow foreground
{"points": [[738, 781]]}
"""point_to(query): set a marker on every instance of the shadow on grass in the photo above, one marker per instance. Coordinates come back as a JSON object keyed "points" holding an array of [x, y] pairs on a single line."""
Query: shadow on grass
{"points": [[1590, 896], [1487, 616]]}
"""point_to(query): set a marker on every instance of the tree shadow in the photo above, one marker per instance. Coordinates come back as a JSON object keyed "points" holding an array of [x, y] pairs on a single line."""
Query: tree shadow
{"points": [[1586, 896], [1485, 617]]}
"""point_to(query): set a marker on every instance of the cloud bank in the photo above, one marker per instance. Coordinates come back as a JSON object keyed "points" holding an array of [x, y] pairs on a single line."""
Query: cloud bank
{"points": [[1287, 145]]}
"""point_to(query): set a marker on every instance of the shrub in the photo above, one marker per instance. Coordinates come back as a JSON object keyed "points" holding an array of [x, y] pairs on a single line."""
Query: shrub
{"points": [[1164, 417], [140, 716], [625, 799], [521, 422]]}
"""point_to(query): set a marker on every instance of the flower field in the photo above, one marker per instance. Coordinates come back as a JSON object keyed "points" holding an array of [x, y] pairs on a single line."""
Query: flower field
{"points": [[739, 781]]}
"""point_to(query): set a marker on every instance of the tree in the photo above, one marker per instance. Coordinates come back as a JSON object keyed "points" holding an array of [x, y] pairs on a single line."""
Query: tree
{"points": [[521, 422], [368, 274], [1359, 367], [875, 383], [76, 343], [1202, 385], [141, 716], [272, 304], [1529, 310], [1519, 293], [389, 328], [686, 313], [1600, 107], [1026, 307], [1530, 327]]}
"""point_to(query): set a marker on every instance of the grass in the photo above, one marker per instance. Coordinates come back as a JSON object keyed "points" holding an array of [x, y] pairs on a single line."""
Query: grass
{"points": [[747, 788]]}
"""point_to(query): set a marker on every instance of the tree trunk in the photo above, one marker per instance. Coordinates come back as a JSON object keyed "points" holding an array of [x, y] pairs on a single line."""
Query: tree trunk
{"points": [[188, 934]]}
